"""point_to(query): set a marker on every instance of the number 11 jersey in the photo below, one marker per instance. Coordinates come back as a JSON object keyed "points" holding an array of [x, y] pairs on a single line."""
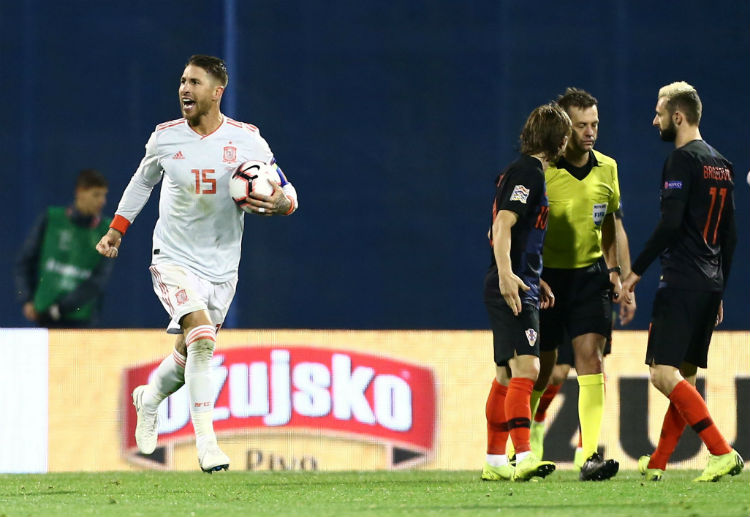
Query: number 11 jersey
{"points": [[698, 175]]}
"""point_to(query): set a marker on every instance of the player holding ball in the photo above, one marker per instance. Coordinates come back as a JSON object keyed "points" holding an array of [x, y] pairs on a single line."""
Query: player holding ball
{"points": [[196, 242]]}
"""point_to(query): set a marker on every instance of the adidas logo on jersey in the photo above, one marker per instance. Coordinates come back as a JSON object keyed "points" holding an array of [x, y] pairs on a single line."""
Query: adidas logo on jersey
{"points": [[178, 156]]}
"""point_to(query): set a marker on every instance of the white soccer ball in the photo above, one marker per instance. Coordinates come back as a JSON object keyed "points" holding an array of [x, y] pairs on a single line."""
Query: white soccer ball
{"points": [[252, 176]]}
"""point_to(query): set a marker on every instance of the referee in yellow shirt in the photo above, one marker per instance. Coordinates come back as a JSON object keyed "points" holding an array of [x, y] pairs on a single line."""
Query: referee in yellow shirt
{"points": [[580, 266]]}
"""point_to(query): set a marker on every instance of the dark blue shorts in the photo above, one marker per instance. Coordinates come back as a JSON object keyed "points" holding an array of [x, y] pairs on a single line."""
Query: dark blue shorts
{"points": [[513, 335]]}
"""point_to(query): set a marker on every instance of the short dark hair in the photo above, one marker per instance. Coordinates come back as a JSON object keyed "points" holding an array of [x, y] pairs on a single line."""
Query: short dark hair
{"points": [[545, 130], [213, 65], [576, 97], [680, 95], [89, 178]]}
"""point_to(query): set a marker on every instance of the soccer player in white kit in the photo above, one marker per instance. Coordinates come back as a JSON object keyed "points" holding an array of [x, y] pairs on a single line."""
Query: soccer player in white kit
{"points": [[196, 243]]}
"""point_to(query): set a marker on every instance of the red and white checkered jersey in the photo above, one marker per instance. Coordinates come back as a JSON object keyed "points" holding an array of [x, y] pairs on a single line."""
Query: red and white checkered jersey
{"points": [[199, 225]]}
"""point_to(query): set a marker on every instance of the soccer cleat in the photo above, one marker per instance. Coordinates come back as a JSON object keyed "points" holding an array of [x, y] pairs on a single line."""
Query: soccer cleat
{"points": [[643, 464], [597, 468], [212, 459], [531, 467], [147, 425], [730, 463], [501, 473], [650, 474], [536, 440]]}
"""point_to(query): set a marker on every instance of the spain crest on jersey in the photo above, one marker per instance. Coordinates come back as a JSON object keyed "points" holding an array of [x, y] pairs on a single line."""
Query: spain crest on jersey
{"points": [[230, 154]]}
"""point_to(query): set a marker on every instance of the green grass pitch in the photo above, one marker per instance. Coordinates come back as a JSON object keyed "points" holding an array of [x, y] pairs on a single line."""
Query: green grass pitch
{"points": [[410, 493]]}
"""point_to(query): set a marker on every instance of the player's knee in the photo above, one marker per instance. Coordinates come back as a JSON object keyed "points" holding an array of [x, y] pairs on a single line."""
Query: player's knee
{"points": [[587, 364], [531, 371], [526, 367], [659, 384], [662, 379]]}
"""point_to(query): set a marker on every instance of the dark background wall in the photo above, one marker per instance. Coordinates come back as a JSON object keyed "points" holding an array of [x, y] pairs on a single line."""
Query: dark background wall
{"points": [[391, 118]]}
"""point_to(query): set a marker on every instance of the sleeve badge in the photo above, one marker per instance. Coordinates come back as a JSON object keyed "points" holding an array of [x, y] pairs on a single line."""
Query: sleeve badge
{"points": [[520, 193]]}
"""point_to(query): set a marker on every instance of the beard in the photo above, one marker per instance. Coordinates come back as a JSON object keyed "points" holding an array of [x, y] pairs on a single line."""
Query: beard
{"points": [[194, 118], [669, 134]]}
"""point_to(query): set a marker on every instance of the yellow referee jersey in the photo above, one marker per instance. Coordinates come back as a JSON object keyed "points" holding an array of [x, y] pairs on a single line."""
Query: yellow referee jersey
{"points": [[576, 212]]}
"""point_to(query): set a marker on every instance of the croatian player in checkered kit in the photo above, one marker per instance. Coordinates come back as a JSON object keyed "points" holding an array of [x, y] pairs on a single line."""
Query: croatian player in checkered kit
{"points": [[196, 242]]}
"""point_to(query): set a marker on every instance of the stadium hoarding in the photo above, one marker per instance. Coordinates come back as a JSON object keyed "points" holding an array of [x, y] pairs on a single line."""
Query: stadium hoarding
{"points": [[305, 390], [91, 373], [23, 397]]}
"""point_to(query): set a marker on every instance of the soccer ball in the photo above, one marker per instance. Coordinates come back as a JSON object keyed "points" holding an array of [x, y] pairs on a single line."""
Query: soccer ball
{"points": [[252, 176]]}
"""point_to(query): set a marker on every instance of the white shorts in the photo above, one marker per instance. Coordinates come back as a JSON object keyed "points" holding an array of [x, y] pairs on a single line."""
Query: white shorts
{"points": [[182, 292]]}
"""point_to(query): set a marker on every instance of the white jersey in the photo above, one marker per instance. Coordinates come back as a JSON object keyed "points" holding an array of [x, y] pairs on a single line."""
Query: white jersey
{"points": [[199, 226]]}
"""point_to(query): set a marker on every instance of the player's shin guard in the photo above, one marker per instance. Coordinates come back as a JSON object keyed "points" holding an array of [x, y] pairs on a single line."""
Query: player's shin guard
{"points": [[497, 426], [518, 413], [168, 378], [201, 342], [671, 431], [693, 409], [590, 410]]}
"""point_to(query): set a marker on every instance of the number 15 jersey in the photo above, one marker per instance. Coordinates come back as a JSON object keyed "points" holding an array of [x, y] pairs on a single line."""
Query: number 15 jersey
{"points": [[199, 225]]}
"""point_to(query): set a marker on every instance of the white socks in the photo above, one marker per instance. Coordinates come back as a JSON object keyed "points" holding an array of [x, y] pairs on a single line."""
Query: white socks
{"points": [[201, 342], [168, 378], [497, 460]]}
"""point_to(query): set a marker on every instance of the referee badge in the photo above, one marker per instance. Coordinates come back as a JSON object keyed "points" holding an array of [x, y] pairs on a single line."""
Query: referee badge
{"points": [[600, 210], [531, 336]]}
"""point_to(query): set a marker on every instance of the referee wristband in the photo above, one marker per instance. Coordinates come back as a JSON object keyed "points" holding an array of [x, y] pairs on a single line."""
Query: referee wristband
{"points": [[616, 269]]}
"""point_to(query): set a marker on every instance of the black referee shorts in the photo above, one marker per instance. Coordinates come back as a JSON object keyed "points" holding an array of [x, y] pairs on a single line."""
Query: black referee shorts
{"points": [[513, 335], [565, 351], [682, 323], [582, 304]]}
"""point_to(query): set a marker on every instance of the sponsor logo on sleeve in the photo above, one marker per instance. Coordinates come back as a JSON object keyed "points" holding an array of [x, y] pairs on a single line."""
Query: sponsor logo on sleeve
{"points": [[520, 193], [672, 185]]}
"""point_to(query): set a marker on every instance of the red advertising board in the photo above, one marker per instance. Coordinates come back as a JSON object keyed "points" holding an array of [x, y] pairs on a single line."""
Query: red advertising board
{"points": [[343, 393]]}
